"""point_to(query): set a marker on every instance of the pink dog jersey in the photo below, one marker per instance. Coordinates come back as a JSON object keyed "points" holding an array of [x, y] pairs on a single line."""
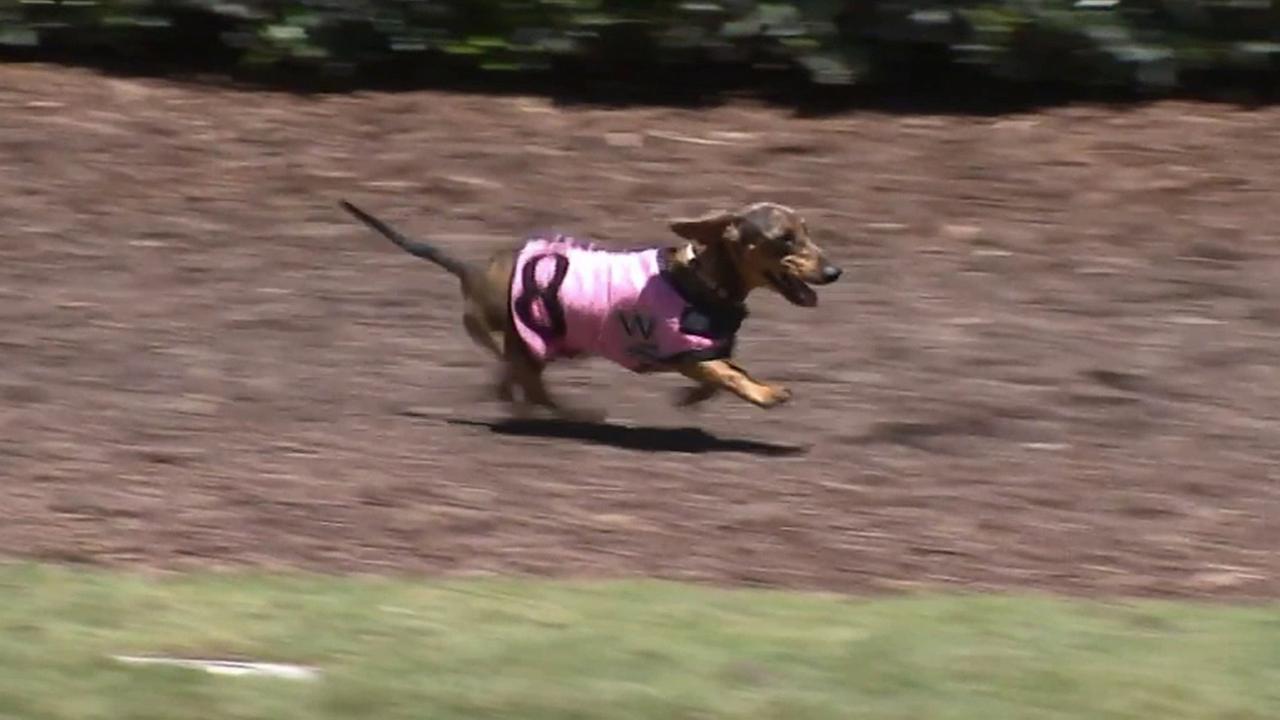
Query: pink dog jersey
{"points": [[570, 299]]}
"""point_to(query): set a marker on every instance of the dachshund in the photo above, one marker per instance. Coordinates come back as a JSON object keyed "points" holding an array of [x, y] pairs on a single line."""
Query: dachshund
{"points": [[674, 308]]}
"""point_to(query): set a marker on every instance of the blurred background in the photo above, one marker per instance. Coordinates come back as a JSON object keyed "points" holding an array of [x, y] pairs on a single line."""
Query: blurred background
{"points": [[1058, 319], [1050, 365], [1145, 45]]}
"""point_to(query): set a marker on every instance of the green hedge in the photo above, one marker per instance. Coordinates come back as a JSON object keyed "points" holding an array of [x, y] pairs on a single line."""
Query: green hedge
{"points": [[1152, 44]]}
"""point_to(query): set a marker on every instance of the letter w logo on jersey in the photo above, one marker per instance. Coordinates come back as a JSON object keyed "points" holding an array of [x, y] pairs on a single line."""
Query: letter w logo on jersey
{"points": [[634, 324]]}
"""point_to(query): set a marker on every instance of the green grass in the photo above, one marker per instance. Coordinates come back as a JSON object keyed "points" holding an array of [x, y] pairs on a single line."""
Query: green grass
{"points": [[541, 650]]}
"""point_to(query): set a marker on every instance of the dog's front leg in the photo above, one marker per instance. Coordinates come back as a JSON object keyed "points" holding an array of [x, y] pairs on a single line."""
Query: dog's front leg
{"points": [[726, 375]]}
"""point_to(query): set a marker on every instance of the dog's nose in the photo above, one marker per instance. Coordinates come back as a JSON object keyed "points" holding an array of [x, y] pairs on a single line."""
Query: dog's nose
{"points": [[831, 273]]}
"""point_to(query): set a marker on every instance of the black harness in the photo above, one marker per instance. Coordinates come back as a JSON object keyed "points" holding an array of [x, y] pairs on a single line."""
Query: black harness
{"points": [[707, 313]]}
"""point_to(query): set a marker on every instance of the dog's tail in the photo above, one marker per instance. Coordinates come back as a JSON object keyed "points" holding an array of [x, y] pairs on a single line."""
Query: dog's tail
{"points": [[413, 247]]}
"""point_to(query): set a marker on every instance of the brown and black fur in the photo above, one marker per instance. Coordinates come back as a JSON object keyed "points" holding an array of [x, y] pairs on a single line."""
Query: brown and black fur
{"points": [[726, 255]]}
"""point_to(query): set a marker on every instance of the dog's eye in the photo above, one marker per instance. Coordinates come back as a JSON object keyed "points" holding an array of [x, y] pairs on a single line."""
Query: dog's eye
{"points": [[788, 239]]}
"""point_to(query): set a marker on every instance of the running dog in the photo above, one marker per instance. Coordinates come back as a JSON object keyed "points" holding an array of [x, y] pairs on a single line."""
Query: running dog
{"points": [[675, 308]]}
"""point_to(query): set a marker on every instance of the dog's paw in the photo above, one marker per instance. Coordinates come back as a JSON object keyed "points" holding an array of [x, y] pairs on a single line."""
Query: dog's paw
{"points": [[775, 396]]}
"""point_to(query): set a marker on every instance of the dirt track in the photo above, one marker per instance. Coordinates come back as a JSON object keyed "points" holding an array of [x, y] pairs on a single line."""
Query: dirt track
{"points": [[1052, 360]]}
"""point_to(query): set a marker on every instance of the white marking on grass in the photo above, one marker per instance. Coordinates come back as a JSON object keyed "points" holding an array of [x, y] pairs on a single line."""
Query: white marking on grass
{"points": [[227, 667]]}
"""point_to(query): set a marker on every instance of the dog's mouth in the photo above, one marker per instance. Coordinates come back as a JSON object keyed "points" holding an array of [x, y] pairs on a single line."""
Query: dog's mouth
{"points": [[795, 290]]}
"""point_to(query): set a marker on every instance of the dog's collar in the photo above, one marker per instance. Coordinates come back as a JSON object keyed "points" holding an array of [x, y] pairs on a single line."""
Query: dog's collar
{"points": [[729, 313]]}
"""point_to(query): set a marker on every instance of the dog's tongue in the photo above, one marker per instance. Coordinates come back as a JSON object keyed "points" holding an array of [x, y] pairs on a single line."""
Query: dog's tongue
{"points": [[795, 291], [799, 292]]}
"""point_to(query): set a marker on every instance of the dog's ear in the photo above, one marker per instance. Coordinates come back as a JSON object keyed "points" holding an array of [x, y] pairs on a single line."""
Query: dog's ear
{"points": [[708, 229]]}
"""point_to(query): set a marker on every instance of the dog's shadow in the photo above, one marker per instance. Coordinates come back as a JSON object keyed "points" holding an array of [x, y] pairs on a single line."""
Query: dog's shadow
{"points": [[646, 439]]}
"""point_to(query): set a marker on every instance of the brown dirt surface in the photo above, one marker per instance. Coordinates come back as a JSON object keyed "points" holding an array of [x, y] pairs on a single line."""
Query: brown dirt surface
{"points": [[1052, 361]]}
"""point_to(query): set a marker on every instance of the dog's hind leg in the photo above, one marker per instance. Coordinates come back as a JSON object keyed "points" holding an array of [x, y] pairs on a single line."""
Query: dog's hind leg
{"points": [[480, 334], [503, 384], [486, 315], [528, 376]]}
